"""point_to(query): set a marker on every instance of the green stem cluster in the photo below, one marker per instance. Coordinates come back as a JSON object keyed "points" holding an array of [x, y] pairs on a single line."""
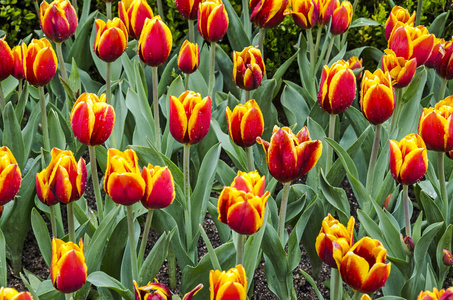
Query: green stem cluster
{"points": [[132, 247], [312, 51], [188, 210], [211, 71], [71, 227], [250, 161], [95, 179], [331, 136], [191, 31], [45, 131], [373, 158], [329, 49], [443, 187], [283, 205], [156, 109], [240, 249], [398, 107], [407, 217], [141, 252], [63, 72]]}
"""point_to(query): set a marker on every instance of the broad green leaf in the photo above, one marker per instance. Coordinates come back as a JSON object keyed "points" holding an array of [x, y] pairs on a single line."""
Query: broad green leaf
{"points": [[421, 248], [313, 284], [42, 236], [236, 153], [101, 279], [361, 22], [295, 106], [165, 78], [23, 99], [444, 243], [46, 291], [438, 25], [226, 68], [28, 286], [139, 108], [236, 34], [337, 198], [56, 135], [3, 263], [12, 136]]}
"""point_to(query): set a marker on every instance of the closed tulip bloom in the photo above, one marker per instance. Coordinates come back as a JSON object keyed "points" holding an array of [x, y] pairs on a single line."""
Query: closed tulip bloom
{"points": [[448, 257], [58, 20], [188, 8], [436, 127], [10, 176], [7, 59], [355, 63], [123, 181], [436, 294], [248, 68], [363, 267], [18, 69], [189, 295], [408, 159], [341, 18], [231, 284], [190, 117], [334, 234], [92, 119], [304, 12], [63, 180], [40, 62], [245, 123], [189, 57], [212, 20], [377, 99], [155, 42], [267, 13], [111, 39], [438, 49], [152, 291], [133, 13], [11, 294], [337, 88], [398, 14], [401, 70], [290, 156], [250, 182], [444, 61], [160, 189], [326, 9]]}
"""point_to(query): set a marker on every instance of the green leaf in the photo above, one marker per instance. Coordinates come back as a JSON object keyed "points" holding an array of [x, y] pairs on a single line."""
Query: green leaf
{"points": [[140, 109], [431, 210], [295, 106], [3, 263], [226, 68], [56, 135], [23, 99], [444, 243], [236, 153], [42, 236], [236, 34], [421, 248], [46, 291], [337, 198], [308, 82], [81, 49], [431, 280], [313, 284], [28, 286], [101, 279], [263, 96], [361, 22], [166, 77], [12, 136], [438, 25]]}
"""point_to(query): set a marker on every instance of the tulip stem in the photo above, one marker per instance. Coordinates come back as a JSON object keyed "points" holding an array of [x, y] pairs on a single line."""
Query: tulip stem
{"points": [[250, 161], [20, 87], [108, 6], [156, 108], [95, 179], [443, 187], [374, 154], [331, 136], [443, 87], [211, 71], [188, 210], [418, 14], [240, 249], [283, 205], [398, 104], [108, 84], [261, 41], [74, 4], [68, 296], [160, 10], [357, 295], [53, 221], [2, 98], [63, 72], [318, 40], [329, 49], [71, 229], [191, 31], [312, 51], [186, 82], [247, 96], [171, 267], [132, 247], [407, 217], [141, 253], [211, 252], [45, 132], [335, 285]]}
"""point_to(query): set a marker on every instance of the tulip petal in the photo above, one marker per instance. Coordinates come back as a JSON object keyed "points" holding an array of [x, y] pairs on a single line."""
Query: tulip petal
{"points": [[282, 157], [244, 218], [10, 180], [126, 188], [252, 126], [377, 276], [217, 23], [414, 167], [356, 270], [342, 90], [71, 274], [103, 124], [308, 154], [432, 130], [45, 66], [422, 48], [396, 160], [178, 120], [401, 43], [378, 104], [82, 122], [232, 291], [200, 120]]}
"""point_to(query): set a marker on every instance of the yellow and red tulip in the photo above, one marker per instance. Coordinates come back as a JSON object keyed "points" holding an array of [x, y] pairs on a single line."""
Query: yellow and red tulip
{"points": [[189, 57], [7, 59], [326, 9], [188, 8], [341, 18], [267, 13], [10, 176], [18, 69], [334, 234], [444, 61], [248, 68], [111, 39], [160, 189], [377, 99], [189, 295], [436, 126], [290, 156], [11, 294], [190, 117], [447, 258], [438, 49], [155, 42], [92, 119], [398, 15], [337, 88], [355, 63], [123, 181], [401, 70], [250, 182], [436, 294], [408, 159], [68, 270], [133, 13], [363, 267], [304, 12], [58, 20], [63, 180], [231, 284], [365, 297], [212, 20], [40, 62], [245, 123], [153, 290]]}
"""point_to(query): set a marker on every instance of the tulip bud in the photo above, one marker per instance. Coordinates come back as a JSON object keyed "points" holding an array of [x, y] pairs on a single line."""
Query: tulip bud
{"points": [[189, 117], [188, 8], [267, 13], [398, 15], [248, 68], [111, 39], [245, 123], [40, 62], [10, 176], [448, 258], [160, 189], [337, 88], [250, 182], [7, 59], [444, 61], [189, 295], [231, 284], [437, 50], [401, 70], [153, 290], [63, 180], [341, 18], [212, 20], [18, 69], [58, 20], [11, 294], [189, 57], [92, 119], [409, 243], [326, 9], [155, 42], [133, 13], [304, 12], [387, 201]]}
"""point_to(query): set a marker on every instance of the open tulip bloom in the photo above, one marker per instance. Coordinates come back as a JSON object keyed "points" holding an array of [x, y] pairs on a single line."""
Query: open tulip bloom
{"points": [[12, 294]]}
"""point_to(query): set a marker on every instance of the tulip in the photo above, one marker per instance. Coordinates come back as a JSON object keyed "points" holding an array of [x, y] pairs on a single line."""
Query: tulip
{"points": [[155, 43], [267, 13], [437, 50], [304, 12], [188, 8], [190, 117], [401, 70], [11, 294], [409, 244], [377, 97], [444, 61], [58, 20], [398, 15], [18, 69], [153, 290], [111, 39], [160, 189], [212, 20], [355, 63], [7, 59], [326, 9], [92, 119], [40, 62], [365, 297], [290, 156], [189, 57], [123, 181], [68, 270], [250, 182], [436, 294], [337, 88], [189, 295], [341, 18], [248, 68], [231, 284], [408, 159], [447, 258], [245, 123], [133, 13], [409, 42], [363, 267], [334, 234], [63, 180], [10, 176]]}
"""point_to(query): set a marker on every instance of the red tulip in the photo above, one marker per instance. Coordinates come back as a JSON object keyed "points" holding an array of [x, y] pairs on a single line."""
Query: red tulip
{"points": [[250, 182], [444, 61], [231, 284], [304, 12], [401, 70], [398, 15], [7, 59], [245, 123], [326, 9], [111, 39], [248, 68], [152, 291], [212, 20], [189, 57], [10, 176], [436, 294], [188, 8], [18, 70], [133, 13], [58, 20], [40, 62], [155, 42], [11, 294], [267, 13], [437, 50], [160, 189], [341, 18]]}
